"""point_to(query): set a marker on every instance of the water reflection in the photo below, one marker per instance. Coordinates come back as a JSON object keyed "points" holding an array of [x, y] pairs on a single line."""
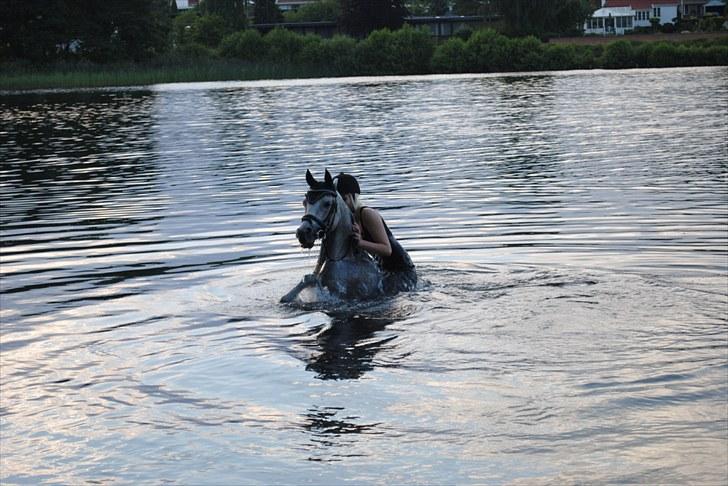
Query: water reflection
{"points": [[574, 244], [81, 188], [57, 161], [331, 430], [346, 349]]}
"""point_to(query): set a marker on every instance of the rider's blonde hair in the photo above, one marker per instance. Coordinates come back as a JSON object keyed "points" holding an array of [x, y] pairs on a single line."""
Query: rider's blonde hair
{"points": [[358, 203]]}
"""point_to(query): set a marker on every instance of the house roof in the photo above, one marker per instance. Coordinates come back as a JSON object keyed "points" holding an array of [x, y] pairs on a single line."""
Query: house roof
{"points": [[639, 4], [614, 12]]}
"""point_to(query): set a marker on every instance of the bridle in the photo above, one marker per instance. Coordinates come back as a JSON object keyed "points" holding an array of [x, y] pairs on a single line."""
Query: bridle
{"points": [[325, 225], [312, 196]]}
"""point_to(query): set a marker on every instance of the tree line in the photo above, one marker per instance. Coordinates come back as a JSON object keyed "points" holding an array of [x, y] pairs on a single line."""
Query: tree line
{"points": [[413, 51], [45, 31]]}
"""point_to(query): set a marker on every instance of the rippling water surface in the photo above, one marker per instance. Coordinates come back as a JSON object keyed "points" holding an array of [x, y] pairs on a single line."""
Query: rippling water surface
{"points": [[571, 236]]}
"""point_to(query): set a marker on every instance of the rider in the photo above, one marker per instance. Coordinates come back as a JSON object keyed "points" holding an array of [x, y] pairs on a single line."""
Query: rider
{"points": [[372, 235]]}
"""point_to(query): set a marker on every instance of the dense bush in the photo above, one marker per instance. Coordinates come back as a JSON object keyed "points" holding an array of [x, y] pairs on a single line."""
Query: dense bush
{"points": [[526, 54], [209, 30], [412, 51], [245, 44], [284, 45], [712, 23], [488, 51], [663, 54], [619, 54], [667, 28], [450, 57], [194, 51], [717, 55], [464, 33], [560, 57], [405, 51], [334, 55], [198, 43], [643, 53]]}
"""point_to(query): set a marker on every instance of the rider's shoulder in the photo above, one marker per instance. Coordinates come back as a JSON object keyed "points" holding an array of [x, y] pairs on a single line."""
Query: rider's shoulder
{"points": [[366, 211], [368, 214]]}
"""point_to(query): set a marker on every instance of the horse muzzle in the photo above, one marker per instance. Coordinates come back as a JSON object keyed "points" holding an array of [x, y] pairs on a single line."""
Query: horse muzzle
{"points": [[307, 235]]}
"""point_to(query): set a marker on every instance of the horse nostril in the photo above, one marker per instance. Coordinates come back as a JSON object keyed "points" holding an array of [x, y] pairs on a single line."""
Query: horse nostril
{"points": [[304, 231]]}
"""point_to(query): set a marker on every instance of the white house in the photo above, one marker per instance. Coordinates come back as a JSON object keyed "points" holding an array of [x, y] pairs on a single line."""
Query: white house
{"points": [[286, 5], [282, 4], [186, 4], [610, 20], [621, 16]]}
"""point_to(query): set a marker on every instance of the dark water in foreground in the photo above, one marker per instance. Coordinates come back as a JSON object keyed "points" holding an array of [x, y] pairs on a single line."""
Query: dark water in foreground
{"points": [[571, 234]]}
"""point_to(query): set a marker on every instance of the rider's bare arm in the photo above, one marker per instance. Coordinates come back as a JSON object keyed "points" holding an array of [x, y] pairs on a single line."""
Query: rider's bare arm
{"points": [[379, 245]]}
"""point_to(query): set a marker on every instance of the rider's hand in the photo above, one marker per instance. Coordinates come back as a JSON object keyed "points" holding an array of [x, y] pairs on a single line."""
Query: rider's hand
{"points": [[356, 234]]}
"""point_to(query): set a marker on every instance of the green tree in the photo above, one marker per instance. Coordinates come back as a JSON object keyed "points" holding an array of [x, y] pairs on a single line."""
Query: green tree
{"points": [[231, 11], [467, 7], [320, 10], [112, 31], [244, 44], [209, 30], [183, 27], [488, 51], [439, 7], [450, 57], [486, 8], [360, 17], [336, 55], [619, 54], [31, 30], [192, 28], [417, 7], [405, 51], [538, 17], [267, 12]]}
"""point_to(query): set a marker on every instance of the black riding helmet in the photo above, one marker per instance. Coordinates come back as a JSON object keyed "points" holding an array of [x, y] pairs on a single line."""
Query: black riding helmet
{"points": [[347, 184]]}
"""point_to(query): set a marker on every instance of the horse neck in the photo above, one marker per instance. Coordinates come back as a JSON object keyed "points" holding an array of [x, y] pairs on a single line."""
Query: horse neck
{"points": [[339, 239]]}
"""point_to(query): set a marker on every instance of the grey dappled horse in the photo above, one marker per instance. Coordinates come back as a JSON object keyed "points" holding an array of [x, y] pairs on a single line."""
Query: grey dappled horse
{"points": [[347, 272]]}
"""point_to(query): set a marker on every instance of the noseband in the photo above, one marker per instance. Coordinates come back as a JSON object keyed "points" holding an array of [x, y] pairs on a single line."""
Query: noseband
{"points": [[324, 226]]}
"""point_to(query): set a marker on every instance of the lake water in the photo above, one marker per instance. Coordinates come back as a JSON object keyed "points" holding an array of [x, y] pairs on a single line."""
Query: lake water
{"points": [[571, 324]]}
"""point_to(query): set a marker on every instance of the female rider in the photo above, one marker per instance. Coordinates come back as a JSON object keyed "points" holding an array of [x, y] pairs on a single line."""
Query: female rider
{"points": [[372, 235]]}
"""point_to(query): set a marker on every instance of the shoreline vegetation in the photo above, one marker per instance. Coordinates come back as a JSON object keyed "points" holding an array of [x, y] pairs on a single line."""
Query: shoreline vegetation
{"points": [[281, 54]]}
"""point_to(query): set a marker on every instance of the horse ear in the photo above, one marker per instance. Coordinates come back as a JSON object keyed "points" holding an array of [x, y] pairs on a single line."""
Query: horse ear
{"points": [[310, 179], [328, 179]]}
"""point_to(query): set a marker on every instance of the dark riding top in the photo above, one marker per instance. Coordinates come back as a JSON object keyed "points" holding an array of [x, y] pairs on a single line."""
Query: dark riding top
{"points": [[399, 260]]}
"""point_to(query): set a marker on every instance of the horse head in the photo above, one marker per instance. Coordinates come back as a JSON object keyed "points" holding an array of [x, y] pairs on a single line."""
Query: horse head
{"points": [[321, 204]]}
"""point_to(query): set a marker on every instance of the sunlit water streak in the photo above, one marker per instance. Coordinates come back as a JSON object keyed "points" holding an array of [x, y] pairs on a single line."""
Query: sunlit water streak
{"points": [[571, 235]]}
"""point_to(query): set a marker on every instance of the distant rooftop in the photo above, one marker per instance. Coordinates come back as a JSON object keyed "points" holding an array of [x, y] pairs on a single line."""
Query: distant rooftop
{"points": [[185, 4]]}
